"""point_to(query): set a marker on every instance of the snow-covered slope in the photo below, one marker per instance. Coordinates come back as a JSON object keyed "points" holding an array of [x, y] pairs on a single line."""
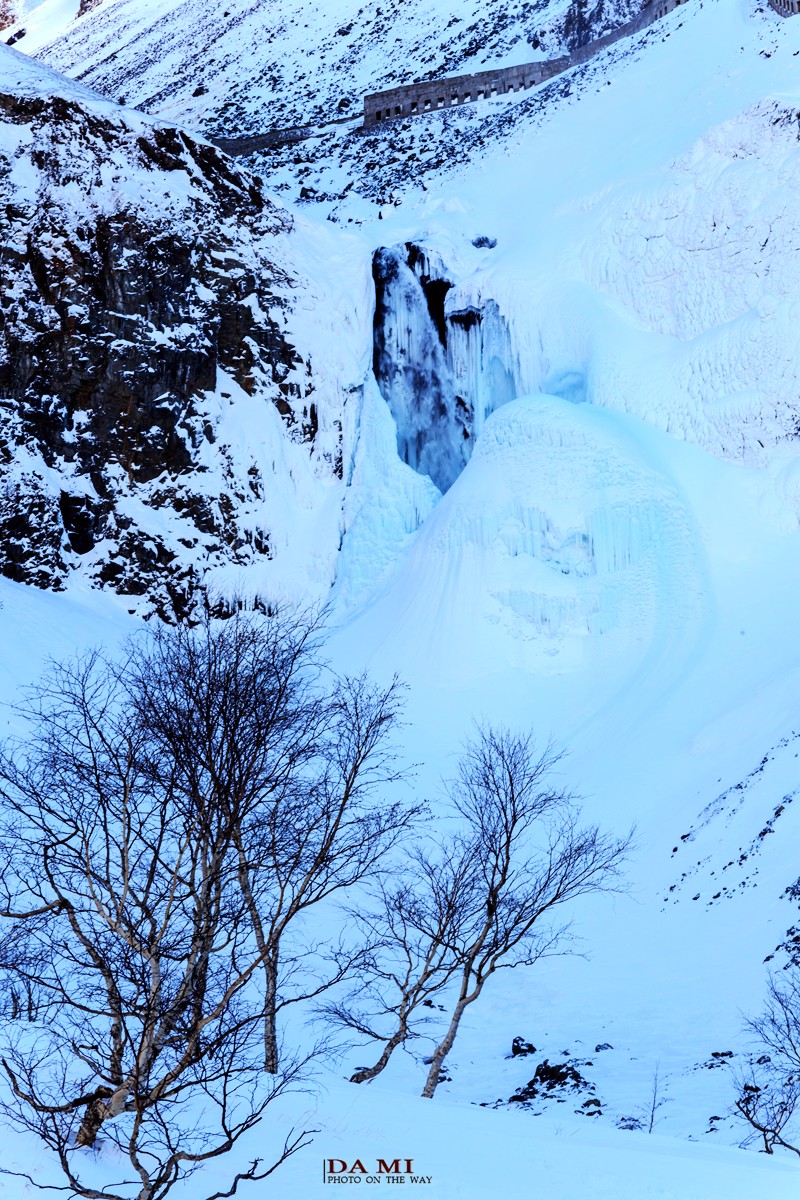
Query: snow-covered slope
{"points": [[463, 1153], [251, 64], [587, 310]]}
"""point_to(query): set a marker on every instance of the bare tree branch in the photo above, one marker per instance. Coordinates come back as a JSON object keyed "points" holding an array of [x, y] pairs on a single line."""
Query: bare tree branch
{"points": [[769, 1093]]}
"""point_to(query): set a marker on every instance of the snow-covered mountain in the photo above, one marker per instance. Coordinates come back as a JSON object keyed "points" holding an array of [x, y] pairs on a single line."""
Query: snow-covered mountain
{"points": [[253, 64], [516, 385]]}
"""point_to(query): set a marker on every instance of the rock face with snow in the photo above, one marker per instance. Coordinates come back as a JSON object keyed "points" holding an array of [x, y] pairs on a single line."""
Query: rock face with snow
{"points": [[151, 276], [7, 14], [141, 276]]}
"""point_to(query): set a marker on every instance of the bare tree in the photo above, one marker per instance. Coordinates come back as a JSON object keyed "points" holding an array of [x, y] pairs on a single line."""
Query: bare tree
{"points": [[778, 1027], [413, 935], [646, 1116], [486, 900], [166, 821], [533, 857], [768, 1105], [128, 926], [298, 760], [655, 1101], [769, 1094]]}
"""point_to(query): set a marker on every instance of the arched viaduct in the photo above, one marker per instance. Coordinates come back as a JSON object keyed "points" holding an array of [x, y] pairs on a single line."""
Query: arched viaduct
{"points": [[413, 99]]}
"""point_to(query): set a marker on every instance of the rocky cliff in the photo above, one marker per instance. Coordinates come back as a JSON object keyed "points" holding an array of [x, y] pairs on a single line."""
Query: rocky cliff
{"points": [[143, 300]]}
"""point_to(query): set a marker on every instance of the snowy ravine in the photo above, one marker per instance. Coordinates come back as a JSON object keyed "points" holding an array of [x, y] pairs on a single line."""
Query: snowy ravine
{"points": [[552, 478]]}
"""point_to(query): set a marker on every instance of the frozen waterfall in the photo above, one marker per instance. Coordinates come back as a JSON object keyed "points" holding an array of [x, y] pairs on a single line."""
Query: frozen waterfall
{"points": [[442, 370]]}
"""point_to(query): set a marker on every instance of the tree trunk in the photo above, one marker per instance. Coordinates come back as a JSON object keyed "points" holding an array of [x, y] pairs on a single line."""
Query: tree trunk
{"points": [[270, 1013], [368, 1073], [105, 1106], [271, 1055], [445, 1046]]}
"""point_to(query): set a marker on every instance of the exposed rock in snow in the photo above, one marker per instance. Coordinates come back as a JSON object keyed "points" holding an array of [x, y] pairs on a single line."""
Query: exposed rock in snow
{"points": [[143, 300], [8, 13]]}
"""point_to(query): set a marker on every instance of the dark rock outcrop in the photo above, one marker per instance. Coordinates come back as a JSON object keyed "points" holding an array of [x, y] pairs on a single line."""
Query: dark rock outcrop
{"points": [[137, 268]]}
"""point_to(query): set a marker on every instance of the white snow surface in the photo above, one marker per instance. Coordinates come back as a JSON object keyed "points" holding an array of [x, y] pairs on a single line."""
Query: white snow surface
{"points": [[20, 76], [42, 21], [616, 567]]}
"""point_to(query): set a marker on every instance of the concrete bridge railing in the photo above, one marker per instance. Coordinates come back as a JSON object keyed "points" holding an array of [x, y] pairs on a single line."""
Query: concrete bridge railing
{"points": [[412, 99]]}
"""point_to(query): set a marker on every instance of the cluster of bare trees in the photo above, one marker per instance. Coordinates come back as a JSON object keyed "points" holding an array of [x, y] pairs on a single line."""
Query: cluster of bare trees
{"points": [[164, 826], [173, 824]]}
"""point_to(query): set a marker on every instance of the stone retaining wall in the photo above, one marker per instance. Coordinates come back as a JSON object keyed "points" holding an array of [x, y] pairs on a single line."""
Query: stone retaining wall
{"points": [[242, 146], [413, 99]]}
